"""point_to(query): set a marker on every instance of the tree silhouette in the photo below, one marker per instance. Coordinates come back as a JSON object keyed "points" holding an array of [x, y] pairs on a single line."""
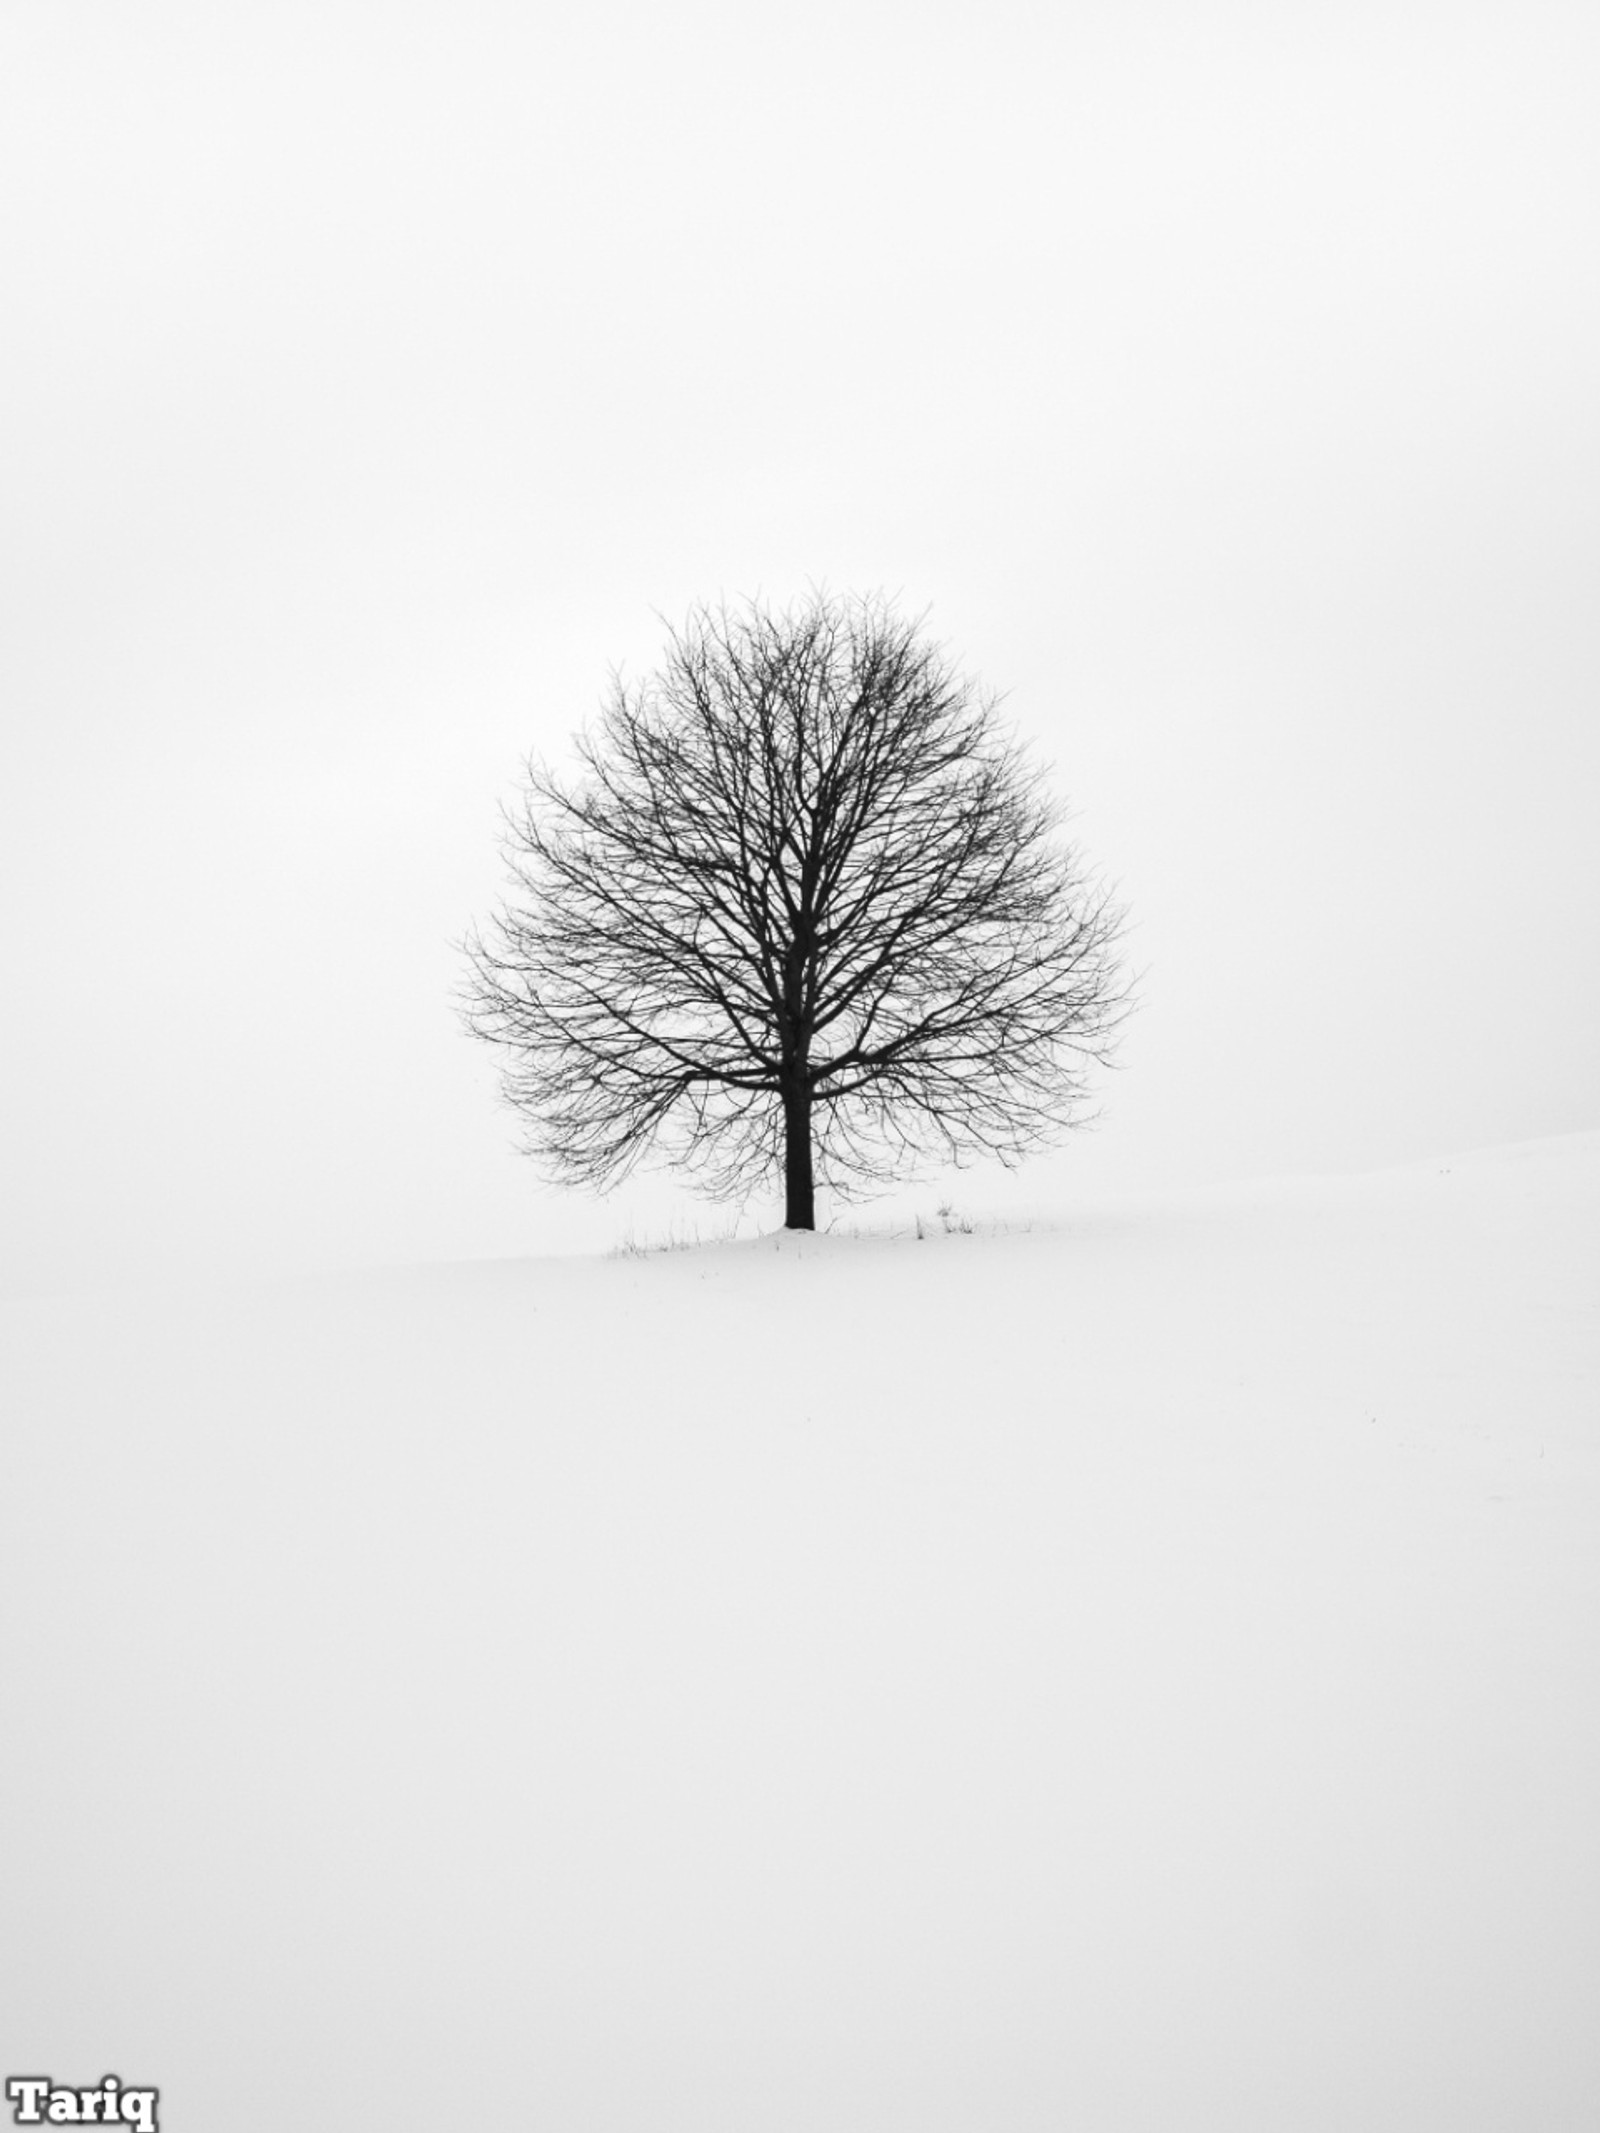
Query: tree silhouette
{"points": [[807, 907]]}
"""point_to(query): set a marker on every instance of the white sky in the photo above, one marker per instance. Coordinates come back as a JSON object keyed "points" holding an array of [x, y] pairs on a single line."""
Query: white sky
{"points": [[1221, 377]]}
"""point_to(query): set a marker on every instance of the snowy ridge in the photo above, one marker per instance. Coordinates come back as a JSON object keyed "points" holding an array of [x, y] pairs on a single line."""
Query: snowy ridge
{"points": [[1138, 1674]]}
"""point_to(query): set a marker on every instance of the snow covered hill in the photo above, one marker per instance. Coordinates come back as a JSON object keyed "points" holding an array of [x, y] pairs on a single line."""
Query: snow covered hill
{"points": [[1140, 1675]]}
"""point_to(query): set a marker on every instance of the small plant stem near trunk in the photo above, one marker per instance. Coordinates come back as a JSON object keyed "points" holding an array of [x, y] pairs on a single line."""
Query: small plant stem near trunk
{"points": [[799, 1195]]}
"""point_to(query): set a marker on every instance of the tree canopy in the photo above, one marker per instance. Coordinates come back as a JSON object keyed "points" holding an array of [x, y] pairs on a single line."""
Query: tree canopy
{"points": [[807, 910]]}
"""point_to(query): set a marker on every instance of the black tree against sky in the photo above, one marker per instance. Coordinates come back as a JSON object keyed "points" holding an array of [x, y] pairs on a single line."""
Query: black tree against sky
{"points": [[807, 908]]}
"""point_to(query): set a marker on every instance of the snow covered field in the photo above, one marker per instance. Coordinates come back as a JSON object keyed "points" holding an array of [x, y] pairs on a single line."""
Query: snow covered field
{"points": [[1140, 1676]]}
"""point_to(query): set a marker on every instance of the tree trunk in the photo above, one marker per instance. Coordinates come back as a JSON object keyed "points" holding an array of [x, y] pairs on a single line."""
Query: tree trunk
{"points": [[798, 1191]]}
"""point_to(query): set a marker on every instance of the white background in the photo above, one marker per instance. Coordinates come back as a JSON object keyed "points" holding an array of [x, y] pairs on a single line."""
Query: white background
{"points": [[1220, 378]]}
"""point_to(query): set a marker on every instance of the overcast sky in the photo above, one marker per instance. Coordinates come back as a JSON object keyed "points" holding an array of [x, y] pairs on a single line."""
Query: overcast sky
{"points": [[1220, 378]]}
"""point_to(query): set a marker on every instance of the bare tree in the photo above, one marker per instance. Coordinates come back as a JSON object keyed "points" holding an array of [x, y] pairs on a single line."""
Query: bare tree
{"points": [[807, 906]]}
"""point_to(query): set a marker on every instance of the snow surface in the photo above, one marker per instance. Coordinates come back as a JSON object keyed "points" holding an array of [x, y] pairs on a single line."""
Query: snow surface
{"points": [[1138, 1674]]}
